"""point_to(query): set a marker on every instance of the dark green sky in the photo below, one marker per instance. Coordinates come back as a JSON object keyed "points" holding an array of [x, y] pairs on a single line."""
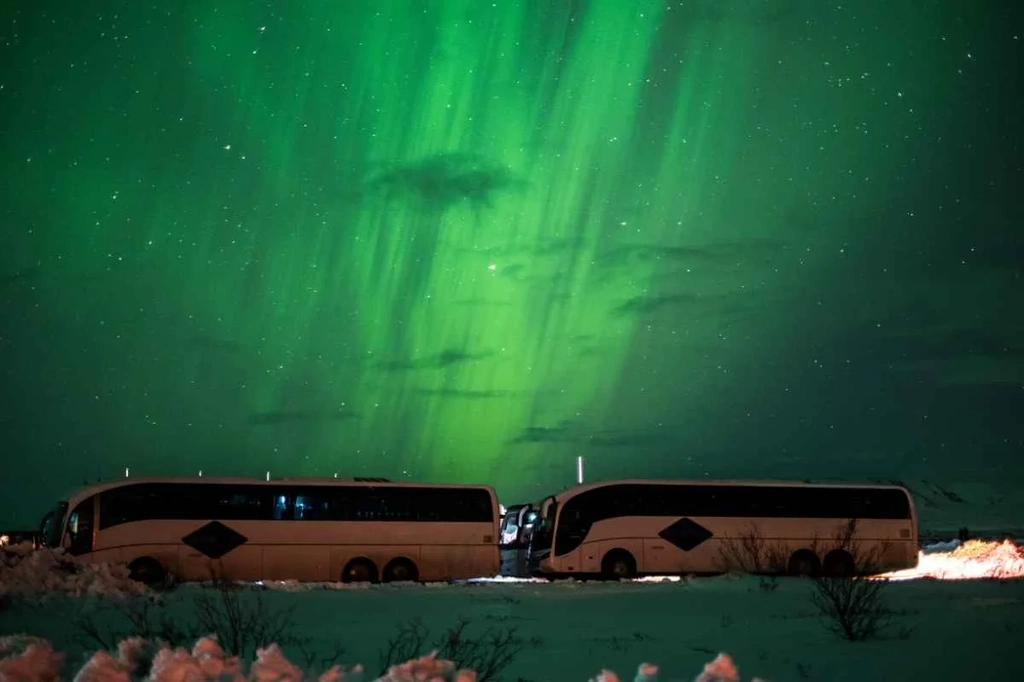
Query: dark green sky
{"points": [[467, 241]]}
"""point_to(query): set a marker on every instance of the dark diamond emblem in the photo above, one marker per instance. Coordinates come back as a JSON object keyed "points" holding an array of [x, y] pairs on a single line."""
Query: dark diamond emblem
{"points": [[214, 539], [686, 534]]}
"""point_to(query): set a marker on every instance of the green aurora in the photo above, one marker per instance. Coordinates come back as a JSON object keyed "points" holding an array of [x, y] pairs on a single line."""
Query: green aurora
{"points": [[451, 240]]}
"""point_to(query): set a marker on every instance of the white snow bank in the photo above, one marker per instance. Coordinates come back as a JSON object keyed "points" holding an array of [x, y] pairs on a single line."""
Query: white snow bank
{"points": [[25, 571], [28, 571], [28, 659]]}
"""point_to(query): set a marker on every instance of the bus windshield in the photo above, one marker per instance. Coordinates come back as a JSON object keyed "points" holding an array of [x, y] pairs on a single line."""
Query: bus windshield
{"points": [[544, 529], [49, 527]]}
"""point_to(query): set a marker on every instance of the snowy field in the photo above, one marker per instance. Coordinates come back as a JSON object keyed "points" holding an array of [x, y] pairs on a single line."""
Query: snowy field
{"points": [[935, 628]]}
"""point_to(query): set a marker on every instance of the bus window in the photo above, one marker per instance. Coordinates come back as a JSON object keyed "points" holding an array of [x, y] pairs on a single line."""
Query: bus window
{"points": [[156, 501], [471, 505], [283, 511], [80, 528]]}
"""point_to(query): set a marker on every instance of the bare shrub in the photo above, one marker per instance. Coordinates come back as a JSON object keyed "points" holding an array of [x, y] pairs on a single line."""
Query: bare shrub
{"points": [[140, 616], [242, 619], [854, 607], [752, 553], [408, 644], [488, 653], [845, 538], [239, 617]]}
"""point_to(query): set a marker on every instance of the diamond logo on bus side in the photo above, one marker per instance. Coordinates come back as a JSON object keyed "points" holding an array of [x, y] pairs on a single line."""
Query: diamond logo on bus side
{"points": [[214, 540], [686, 534]]}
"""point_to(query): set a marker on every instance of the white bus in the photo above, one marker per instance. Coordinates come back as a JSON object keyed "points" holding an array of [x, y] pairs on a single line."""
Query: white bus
{"points": [[623, 529], [352, 530]]}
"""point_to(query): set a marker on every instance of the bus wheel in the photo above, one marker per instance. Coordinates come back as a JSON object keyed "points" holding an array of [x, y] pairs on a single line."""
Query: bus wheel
{"points": [[804, 562], [839, 564], [147, 571], [360, 570], [618, 564], [401, 570]]}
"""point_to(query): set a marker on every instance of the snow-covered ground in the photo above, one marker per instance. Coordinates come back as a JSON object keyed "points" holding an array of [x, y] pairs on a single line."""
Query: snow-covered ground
{"points": [[939, 629]]}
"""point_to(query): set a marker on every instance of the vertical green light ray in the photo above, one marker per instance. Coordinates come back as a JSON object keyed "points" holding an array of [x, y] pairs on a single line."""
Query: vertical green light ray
{"points": [[590, 129], [589, 115], [698, 147]]}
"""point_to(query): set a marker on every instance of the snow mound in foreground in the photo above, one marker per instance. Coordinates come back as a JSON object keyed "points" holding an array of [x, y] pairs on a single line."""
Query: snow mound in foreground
{"points": [[24, 571], [28, 659]]}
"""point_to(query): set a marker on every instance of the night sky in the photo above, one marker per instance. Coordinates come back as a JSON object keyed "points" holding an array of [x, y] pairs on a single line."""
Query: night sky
{"points": [[454, 240]]}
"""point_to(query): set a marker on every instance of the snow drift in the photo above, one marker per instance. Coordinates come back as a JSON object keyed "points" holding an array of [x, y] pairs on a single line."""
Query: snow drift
{"points": [[27, 659], [28, 571]]}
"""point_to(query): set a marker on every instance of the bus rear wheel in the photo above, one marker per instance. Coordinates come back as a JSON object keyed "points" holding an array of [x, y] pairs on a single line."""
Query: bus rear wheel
{"points": [[803, 562], [360, 570], [401, 570], [618, 564], [839, 564], [147, 571]]}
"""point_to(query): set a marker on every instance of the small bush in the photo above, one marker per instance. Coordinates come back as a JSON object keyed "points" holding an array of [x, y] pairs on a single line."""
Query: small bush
{"points": [[488, 653], [853, 608], [239, 618], [751, 553]]}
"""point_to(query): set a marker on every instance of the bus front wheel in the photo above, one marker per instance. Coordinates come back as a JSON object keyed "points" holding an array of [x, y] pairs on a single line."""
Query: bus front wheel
{"points": [[147, 571], [401, 570], [360, 570], [804, 562], [618, 564]]}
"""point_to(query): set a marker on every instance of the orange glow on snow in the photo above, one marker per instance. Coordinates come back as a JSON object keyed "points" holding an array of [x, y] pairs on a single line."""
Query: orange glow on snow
{"points": [[973, 560]]}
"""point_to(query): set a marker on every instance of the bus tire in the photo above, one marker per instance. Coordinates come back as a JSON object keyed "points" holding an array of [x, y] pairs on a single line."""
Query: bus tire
{"points": [[839, 564], [359, 570], [401, 570], [147, 571], [803, 562], [618, 564]]}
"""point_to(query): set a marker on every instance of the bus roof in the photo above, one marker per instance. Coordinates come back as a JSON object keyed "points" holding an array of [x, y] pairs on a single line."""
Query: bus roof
{"points": [[206, 480], [575, 490]]}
